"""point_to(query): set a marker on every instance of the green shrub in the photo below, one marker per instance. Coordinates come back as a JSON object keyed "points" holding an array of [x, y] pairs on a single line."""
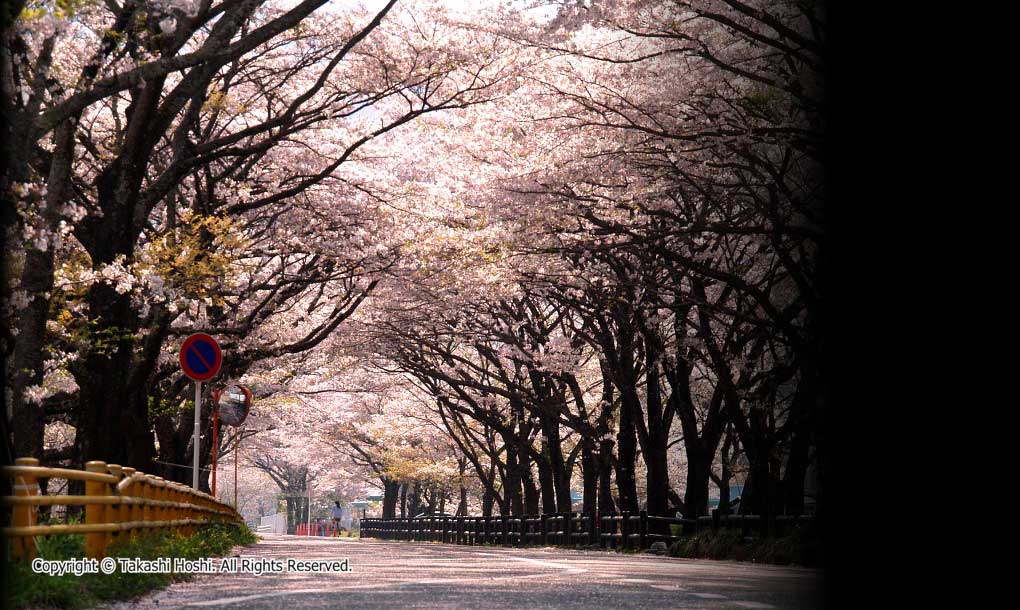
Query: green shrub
{"points": [[28, 589], [61, 546], [800, 547]]}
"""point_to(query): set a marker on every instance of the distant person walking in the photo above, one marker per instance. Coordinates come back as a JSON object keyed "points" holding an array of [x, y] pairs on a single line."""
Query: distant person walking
{"points": [[337, 513]]}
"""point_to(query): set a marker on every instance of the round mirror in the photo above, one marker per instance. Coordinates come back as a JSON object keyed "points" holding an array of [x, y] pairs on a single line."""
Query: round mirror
{"points": [[233, 404]]}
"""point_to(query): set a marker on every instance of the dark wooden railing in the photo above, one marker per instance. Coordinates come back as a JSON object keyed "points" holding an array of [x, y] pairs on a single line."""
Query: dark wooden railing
{"points": [[623, 531]]}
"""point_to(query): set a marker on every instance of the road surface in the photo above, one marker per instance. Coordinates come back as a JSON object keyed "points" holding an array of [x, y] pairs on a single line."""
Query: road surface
{"points": [[406, 576]]}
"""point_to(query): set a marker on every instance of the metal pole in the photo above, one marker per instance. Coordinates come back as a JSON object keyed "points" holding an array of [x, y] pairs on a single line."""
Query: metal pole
{"points": [[237, 456], [309, 510], [198, 424], [215, 445]]}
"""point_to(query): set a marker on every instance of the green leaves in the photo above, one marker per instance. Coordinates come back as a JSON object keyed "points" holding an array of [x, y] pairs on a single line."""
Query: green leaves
{"points": [[28, 589]]}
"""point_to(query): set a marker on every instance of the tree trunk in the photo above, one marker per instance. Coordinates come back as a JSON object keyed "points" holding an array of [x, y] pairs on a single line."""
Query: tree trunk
{"points": [[414, 504], [113, 386], [512, 486], [724, 491], [796, 472], [802, 418], [488, 499], [531, 506], [607, 506], [105, 425], [590, 477], [545, 480], [560, 472], [657, 478], [173, 430], [293, 512], [462, 505], [29, 351], [699, 470], [391, 489], [654, 451], [626, 458]]}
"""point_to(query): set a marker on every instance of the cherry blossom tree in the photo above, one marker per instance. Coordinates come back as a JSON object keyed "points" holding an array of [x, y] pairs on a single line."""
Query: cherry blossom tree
{"points": [[475, 255], [192, 167]]}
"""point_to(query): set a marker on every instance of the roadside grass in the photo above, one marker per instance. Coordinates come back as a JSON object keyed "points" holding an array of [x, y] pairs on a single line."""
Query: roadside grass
{"points": [[27, 589], [800, 547]]}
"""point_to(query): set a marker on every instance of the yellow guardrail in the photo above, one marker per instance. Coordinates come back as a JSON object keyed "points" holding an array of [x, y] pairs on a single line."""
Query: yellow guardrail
{"points": [[119, 504]]}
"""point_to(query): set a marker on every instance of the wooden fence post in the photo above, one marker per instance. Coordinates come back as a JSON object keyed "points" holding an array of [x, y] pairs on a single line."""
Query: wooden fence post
{"points": [[643, 530], [165, 493], [159, 494], [95, 542], [182, 497], [140, 490], [112, 512], [129, 512], [567, 526], [187, 499], [625, 530], [170, 491], [25, 515]]}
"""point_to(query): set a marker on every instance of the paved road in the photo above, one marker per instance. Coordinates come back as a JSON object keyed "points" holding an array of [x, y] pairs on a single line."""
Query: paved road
{"points": [[408, 576]]}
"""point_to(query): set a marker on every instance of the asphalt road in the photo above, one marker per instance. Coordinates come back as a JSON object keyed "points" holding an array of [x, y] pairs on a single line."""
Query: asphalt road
{"points": [[402, 575]]}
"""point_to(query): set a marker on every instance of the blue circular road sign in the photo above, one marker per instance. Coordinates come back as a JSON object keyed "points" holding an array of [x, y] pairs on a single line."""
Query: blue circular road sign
{"points": [[201, 357]]}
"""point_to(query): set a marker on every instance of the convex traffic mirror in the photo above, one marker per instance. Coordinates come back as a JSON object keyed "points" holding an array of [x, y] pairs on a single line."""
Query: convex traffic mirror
{"points": [[233, 404]]}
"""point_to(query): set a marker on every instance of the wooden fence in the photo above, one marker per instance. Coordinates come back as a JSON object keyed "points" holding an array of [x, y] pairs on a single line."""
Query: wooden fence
{"points": [[119, 502], [624, 531]]}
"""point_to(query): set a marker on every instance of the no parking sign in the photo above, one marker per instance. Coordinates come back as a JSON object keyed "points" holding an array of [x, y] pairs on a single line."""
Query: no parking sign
{"points": [[201, 357]]}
